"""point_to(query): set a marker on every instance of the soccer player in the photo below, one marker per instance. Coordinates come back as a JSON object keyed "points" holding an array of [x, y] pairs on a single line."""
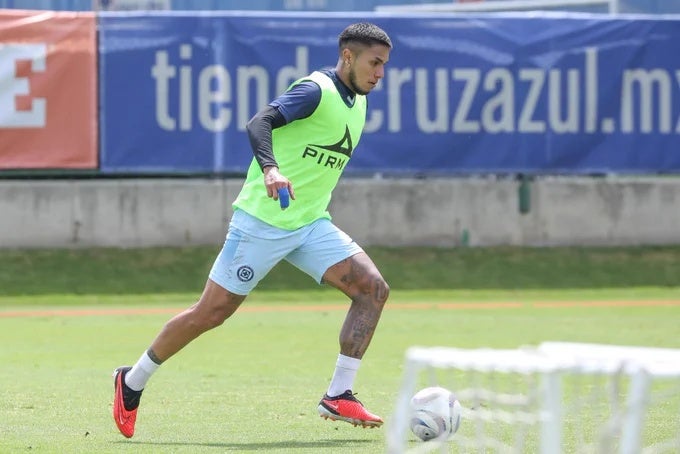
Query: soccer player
{"points": [[301, 141]]}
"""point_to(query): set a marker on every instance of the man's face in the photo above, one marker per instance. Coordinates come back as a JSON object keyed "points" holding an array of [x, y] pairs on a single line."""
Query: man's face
{"points": [[367, 67]]}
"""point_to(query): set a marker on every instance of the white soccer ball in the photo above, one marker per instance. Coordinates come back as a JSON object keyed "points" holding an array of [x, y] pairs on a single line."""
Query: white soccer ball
{"points": [[435, 413]]}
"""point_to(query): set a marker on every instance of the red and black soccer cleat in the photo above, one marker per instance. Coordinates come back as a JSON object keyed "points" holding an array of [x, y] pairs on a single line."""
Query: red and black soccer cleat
{"points": [[125, 403], [346, 407]]}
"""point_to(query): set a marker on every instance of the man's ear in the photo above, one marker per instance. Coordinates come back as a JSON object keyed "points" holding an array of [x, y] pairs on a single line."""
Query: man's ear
{"points": [[347, 55]]}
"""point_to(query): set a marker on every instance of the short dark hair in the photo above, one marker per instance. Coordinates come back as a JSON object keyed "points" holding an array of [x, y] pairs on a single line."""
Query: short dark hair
{"points": [[364, 33]]}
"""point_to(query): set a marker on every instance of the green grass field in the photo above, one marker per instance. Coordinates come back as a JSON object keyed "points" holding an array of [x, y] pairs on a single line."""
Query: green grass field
{"points": [[254, 383]]}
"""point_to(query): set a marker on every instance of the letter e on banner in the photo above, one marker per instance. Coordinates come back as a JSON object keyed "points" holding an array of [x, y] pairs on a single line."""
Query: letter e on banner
{"points": [[14, 87], [48, 116]]}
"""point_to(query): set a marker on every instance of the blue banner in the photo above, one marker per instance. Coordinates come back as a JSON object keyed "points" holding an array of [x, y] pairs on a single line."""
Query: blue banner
{"points": [[495, 93]]}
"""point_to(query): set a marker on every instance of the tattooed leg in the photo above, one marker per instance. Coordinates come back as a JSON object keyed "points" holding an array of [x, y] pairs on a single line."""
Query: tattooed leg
{"points": [[359, 279]]}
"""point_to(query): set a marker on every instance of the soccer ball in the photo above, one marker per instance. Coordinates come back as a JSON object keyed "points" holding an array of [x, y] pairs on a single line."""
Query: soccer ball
{"points": [[435, 413]]}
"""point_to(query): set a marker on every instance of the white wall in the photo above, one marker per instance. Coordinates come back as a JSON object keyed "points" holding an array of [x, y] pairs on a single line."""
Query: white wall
{"points": [[441, 212]]}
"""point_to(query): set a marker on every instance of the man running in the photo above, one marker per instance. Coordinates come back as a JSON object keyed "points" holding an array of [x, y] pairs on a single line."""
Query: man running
{"points": [[301, 142]]}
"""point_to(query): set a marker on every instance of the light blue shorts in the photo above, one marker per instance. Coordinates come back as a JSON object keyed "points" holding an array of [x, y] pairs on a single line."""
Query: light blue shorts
{"points": [[253, 247]]}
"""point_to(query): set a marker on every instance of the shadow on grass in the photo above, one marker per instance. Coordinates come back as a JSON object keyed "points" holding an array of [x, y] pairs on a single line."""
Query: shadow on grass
{"points": [[284, 444]]}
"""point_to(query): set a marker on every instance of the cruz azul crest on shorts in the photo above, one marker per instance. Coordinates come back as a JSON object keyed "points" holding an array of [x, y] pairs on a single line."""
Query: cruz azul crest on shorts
{"points": [[245, 273]]}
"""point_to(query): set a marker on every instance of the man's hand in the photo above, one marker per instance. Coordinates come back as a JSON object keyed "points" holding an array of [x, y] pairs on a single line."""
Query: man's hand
{"points": [[273, 181]]}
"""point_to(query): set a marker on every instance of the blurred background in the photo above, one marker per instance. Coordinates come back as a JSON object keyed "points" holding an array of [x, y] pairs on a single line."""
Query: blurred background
{"points": [[499, 122], [624, 6]]}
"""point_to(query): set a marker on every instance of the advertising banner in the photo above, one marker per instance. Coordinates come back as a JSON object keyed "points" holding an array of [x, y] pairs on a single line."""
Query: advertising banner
{"points": [[48, 100], [494, 93]]}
